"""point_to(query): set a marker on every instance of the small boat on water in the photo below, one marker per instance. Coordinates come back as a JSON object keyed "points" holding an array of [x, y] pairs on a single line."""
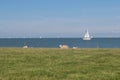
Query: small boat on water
{"points": [[87, 36]]}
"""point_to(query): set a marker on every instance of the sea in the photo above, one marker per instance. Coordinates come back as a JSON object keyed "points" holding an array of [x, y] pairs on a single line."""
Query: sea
{"points": [[55, 42]]}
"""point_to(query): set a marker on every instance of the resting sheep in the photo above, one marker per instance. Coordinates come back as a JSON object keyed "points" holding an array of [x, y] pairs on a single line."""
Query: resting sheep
{"points": [[64, 46]]}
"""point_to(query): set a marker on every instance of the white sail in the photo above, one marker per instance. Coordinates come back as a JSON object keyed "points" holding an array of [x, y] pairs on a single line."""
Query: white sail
{"points": [[86, 36]]}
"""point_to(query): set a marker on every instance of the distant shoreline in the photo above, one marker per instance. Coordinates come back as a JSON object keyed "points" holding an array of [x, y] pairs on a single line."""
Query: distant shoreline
{"points": [[58, 38]]}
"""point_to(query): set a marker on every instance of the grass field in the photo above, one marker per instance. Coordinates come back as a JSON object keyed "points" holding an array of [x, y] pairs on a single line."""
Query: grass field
{"points": [[59, 64]]}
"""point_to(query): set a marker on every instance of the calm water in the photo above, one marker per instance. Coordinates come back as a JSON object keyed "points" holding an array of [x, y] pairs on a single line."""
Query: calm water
{"points": [[55, 42]]}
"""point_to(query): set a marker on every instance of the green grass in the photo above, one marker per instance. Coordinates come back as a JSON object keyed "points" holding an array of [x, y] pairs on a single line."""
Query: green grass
{"points": [[59, 64]]}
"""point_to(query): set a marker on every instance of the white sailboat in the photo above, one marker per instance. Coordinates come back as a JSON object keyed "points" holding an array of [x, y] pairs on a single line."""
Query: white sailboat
{"points": [[87, 36]]}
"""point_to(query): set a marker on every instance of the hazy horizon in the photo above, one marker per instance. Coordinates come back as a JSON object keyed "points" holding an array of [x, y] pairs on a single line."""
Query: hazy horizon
{"points": [[59, 18]]}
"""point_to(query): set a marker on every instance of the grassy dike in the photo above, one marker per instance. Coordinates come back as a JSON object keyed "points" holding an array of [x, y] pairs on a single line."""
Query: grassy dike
{"points": [[59, 64]]}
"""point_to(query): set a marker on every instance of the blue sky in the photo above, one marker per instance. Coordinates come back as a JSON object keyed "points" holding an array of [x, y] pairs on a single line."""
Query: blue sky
{"points": [[59, 18]]}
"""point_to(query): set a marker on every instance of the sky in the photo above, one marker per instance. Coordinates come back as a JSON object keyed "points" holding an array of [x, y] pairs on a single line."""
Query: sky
{"points": [[59, 18]]}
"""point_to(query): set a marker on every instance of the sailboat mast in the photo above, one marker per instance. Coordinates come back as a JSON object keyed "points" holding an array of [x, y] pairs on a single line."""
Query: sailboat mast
{"points": [[86, 36]]}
